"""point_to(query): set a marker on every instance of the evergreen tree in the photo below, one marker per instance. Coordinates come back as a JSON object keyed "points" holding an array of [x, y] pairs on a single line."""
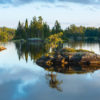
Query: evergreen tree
{"points": [[20, 32], [40, 27], [33, 28], [26, 24], [56, 28], [26, 29], [46, 30]]}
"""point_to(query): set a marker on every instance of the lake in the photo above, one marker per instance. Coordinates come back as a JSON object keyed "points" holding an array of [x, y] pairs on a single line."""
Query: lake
{"points": [[22, 79]]}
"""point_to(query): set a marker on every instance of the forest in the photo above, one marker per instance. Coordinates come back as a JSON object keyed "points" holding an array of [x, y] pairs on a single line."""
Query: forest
{"points": [[37, 28], [6, 34]]}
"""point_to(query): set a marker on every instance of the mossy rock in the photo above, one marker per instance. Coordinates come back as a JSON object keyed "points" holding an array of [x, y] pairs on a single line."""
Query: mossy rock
{"points": [[2, 48], [68, 50], [68, 60], [72, 50], [82, 50]]}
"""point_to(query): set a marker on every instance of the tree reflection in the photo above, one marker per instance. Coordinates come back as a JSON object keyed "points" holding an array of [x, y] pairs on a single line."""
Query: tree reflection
{"points": [[32, 50], [37, 50], [53, 81]]}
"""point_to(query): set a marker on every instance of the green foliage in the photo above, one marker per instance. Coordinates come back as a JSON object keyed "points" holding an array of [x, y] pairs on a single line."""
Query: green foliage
{"points": [[20, 32], [3, 36], [26, 29], [46, 30], [74, 31], [26, 24], [6, 34], [87, 33], [40, 29], [37, 29], [56, 28]]}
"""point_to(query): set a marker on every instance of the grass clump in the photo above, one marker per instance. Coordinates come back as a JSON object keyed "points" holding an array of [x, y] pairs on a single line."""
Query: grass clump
{"points": [[68, 50], [75, 50], [82, 50]]}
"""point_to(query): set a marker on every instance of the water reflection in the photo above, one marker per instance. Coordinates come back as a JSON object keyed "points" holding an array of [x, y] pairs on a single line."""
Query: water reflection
{"points": [[37, 50], [21, 80], [32, 50], [72, 69], [92, 46], [53, 81]]}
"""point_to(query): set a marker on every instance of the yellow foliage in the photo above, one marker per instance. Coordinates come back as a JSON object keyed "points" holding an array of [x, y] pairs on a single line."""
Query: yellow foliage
{"points": [[55, 39], [64, 62], [49, 63]]}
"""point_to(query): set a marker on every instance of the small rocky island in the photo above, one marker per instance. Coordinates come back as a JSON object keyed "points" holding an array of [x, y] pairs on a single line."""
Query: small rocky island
{"points": [[2, 48], [69, 60]]}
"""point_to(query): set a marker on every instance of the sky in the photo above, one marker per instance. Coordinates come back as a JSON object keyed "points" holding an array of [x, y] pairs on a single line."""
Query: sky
{"points": [[67, 12]]}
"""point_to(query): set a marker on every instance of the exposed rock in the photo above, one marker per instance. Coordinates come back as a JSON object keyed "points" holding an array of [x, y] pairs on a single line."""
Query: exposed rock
{"points": [[77, 59], [2, 48]]}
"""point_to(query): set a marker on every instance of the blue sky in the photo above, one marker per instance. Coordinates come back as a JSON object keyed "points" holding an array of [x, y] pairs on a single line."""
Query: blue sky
{"points": [[79, 12]]}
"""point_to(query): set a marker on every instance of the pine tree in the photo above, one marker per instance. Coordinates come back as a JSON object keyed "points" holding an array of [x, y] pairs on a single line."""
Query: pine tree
{"points": [[56, 28], [46, 31], [20, 32], [26, 24], [26, 29]]}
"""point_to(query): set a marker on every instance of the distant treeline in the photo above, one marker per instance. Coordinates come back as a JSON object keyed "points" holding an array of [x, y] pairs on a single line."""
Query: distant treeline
{"points": [[6, 34], [40, 29], [79, 33], [37, 28]]}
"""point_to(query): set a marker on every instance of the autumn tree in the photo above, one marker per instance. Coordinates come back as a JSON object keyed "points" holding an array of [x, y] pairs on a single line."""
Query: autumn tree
{"points": [[54, 41]]}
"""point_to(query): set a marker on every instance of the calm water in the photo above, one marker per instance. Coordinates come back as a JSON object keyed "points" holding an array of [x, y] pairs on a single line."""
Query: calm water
{"points": [[22, 79]]}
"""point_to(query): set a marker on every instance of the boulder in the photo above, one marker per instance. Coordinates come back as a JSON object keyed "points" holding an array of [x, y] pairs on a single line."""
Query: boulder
{"points": [[2, 48], [68, 60]]}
